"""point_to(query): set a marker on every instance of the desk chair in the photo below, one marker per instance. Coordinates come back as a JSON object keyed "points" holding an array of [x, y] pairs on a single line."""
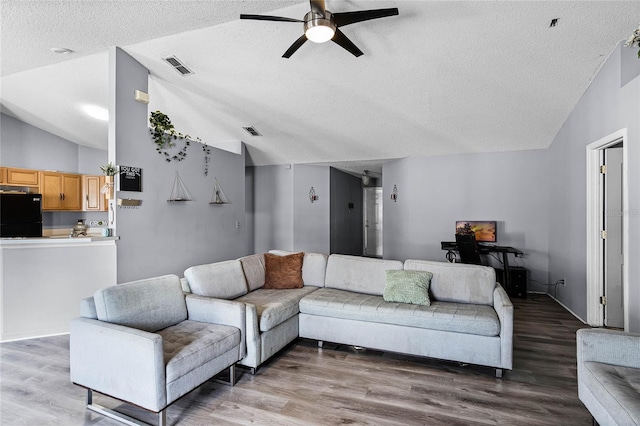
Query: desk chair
{"points": [[468, 249]]}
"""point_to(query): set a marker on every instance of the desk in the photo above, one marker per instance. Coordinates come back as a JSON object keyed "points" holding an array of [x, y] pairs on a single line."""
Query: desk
{"points": [[451, 246]]}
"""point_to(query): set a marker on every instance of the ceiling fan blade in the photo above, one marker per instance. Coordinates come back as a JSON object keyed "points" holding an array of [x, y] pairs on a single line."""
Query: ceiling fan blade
{"points": [[317, 6], [295, 46], [269, 18], [346, 18], [342, 40]]}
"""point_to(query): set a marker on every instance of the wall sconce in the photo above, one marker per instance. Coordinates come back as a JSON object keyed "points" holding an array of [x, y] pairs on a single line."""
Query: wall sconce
{"points": [[394, 194], [312, 195]]}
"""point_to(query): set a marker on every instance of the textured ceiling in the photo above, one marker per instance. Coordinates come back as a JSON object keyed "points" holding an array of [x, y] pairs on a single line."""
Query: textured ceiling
{"points": [[441, 78]]}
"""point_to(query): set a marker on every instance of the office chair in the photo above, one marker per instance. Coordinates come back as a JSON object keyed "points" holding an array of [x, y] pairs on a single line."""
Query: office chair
{"points": [[468, 249]]}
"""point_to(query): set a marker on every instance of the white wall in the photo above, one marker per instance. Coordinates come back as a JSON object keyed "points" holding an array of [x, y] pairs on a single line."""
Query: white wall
{"points": [[434, 192], [611, 103], [161, 237]]}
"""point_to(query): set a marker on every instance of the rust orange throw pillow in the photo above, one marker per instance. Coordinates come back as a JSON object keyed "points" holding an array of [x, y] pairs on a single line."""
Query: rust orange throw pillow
{"points": [[283, 271]]}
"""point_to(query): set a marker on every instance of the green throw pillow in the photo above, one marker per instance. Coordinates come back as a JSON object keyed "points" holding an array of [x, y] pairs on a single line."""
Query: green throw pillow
{"points": [[407, 287]]}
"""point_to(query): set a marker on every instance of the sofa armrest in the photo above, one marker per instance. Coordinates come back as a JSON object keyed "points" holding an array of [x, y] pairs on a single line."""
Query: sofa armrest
{"points": [[219, 311], [254, 342], [504, 308], [608, 347], [118, 360]]}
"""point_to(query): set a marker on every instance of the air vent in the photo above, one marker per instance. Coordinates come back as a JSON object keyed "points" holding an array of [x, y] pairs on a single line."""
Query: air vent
{"points": [[252, 131], [178, 65]]}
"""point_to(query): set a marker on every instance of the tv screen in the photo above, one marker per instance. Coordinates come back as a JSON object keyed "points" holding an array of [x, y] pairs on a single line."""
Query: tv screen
{"points": [[485, 230]]}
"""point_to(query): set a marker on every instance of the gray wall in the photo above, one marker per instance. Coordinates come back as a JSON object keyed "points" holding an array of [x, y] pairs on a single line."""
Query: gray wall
{"points": [[273, 208], [611, 103], [434, 192], [283, 216], [26, 146], [161, 237], [346, 224], [311, 220]]}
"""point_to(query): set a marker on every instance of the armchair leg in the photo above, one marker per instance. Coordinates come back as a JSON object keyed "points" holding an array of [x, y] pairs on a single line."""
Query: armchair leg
{"points": [[498, 373], [320, 344], [123, 418], [232, 375]]}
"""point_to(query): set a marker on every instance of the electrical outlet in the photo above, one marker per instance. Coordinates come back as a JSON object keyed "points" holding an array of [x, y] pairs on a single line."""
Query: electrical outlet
{"points": [[238, 224], [97, 223]]}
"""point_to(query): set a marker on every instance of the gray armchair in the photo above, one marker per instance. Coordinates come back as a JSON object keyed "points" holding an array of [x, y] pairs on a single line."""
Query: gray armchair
{"points": [[148, 344], [609, 375]]}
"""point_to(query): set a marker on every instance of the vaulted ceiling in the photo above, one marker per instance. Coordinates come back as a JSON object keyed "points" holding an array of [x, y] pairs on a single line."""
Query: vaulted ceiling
{"points": [[442, 77]]}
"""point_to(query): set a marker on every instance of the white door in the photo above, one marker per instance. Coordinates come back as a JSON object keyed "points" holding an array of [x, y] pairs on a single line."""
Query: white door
{"points": [[613, 251], [372, 221]]}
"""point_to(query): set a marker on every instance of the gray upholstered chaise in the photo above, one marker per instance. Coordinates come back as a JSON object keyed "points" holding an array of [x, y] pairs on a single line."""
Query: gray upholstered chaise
{"points": [[609, 375], [148, 344]]}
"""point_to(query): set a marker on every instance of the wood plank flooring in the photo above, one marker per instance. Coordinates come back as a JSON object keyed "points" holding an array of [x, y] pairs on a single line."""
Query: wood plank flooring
{"points": [[304, 385]]}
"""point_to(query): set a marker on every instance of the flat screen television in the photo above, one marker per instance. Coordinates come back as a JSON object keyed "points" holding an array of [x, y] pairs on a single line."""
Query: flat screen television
{"points": [[485, 230]]}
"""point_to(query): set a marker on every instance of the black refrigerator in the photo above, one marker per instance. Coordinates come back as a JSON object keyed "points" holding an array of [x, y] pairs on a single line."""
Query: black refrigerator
{"points": [[20, 215]]}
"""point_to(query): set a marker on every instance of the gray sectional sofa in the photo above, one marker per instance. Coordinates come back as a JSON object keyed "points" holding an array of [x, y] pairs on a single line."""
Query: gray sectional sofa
{"points": [[470, 318]]}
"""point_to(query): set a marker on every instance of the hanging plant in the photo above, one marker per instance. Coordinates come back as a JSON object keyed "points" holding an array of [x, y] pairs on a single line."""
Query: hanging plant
{"points": [[165, 137], [207, 158], [109, 169]]}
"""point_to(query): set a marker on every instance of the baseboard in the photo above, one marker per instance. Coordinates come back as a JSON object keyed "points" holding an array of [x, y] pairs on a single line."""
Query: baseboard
{"points": [[33, 337], [568, 310]]}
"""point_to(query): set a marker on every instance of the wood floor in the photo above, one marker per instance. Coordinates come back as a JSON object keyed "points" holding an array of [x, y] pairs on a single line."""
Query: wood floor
{"points": [[335, 385]]}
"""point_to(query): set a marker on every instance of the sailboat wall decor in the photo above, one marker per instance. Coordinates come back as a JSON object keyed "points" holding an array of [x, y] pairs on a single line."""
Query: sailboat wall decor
{"points": [[218, 196], [179, 192]]}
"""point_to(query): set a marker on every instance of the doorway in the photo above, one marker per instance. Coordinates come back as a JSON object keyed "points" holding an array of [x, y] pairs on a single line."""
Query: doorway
{"points": [[613, 226], [372, 200], [607, 241]]}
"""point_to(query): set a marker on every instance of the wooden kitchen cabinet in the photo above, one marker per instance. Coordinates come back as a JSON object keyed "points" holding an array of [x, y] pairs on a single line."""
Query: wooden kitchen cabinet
{"points": [[19, 177], [61, 191], [92, 197]]}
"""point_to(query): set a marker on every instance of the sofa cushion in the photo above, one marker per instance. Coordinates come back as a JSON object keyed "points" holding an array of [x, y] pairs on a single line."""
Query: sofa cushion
{"points": [[150, 304], [275, 306], [359, 274], [254, 270], [314, 267], [456, 317], [191, 344], [407, 287], [223, 280], [457, 282], [617, 389], [283, 272]]}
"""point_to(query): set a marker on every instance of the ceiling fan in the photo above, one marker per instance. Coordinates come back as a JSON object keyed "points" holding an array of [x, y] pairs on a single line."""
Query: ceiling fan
{"points": [[320, 25]]}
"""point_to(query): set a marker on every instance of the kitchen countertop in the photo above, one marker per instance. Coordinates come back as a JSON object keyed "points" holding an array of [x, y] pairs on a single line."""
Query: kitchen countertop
{"points": [[55, 240]]}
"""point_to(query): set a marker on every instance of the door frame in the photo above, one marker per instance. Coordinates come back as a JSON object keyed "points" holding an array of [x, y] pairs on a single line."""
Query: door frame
{"points": [[595, 223]]}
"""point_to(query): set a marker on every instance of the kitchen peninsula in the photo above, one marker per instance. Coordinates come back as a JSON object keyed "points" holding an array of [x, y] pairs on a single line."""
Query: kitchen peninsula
{"points": [[44, 279]]}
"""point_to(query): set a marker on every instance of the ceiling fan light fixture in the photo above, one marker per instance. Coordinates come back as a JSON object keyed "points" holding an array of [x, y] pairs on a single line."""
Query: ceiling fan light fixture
{"points": [[319, 29]]}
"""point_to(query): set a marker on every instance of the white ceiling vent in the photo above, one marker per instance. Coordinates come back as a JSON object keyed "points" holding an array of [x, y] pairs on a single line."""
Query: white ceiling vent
{"points": [[178, 65], [252, 131]]}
